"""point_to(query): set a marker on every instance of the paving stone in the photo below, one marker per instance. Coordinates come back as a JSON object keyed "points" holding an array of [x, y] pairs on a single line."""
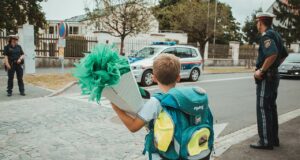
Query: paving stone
{"points": [[65, 129], [11, 132]]}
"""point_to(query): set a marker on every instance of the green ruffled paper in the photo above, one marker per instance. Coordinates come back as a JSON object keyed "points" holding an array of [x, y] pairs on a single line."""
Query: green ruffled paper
{"points": [[101, 68]]}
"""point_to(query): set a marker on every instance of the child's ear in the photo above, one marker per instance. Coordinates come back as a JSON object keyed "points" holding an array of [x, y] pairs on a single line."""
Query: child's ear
{"points": [[154, 78], [178, 78]]}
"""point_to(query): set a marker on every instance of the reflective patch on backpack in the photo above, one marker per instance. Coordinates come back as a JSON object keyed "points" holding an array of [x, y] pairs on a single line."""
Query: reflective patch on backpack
{"points": [[198, 144], [163, 131]]}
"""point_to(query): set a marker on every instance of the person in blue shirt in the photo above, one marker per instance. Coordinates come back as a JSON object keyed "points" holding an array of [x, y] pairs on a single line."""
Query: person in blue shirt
{"points": [[14, 59], [271, 54]]}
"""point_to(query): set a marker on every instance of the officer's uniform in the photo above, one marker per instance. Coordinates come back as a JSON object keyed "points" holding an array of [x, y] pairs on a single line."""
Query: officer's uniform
{"points": [[267, 89], [13, 54]]}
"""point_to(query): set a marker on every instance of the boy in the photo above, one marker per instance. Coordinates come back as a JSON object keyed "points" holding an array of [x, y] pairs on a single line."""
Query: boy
{"points": [[166, 73]]}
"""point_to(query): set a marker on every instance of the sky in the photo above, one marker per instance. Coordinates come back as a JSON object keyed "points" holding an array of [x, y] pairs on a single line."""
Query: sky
{"points": [[63, 9]]}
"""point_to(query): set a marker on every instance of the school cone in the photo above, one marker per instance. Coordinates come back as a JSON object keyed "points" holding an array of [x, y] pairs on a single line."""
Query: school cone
{"points": [[126, 95]]}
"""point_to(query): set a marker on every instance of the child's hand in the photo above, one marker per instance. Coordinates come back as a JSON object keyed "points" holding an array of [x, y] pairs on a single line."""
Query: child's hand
{"points": [[133, 124], [115, 107]]}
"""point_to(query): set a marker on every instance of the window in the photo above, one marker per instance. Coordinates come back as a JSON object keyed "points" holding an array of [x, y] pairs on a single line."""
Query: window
{"points": [[73, 30], [170, 51], [185, 52], [146, 52], [194, 53], [51, 30]]}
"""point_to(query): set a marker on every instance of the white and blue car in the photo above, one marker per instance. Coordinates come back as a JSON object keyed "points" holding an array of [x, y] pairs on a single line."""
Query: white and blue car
{"points": [[141, 62]]}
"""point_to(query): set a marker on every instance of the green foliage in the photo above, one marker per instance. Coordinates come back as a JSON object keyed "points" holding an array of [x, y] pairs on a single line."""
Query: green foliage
{"points": [[250, 31], [192, 17], [162, 12], [165, 3], [230, 28], [14, 13], [288, 14]]}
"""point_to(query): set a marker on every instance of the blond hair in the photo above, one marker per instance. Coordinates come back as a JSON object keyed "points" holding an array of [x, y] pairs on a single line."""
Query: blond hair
{"points": [[166, 69]]}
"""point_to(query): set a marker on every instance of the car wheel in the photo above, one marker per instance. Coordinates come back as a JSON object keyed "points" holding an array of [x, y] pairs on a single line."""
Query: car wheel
{"points": [[195, 74], [147, 78]]}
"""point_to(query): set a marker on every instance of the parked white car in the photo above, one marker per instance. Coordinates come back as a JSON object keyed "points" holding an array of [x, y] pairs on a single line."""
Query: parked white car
{"points": [[142, 61]]}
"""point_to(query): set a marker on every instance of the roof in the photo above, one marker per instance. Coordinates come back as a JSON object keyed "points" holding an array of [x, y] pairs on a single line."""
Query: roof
{"points": [[79, 18]]}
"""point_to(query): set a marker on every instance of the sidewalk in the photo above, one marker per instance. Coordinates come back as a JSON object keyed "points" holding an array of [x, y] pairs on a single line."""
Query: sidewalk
{"points": [[30, 90], [289, 134], [42, 70]]}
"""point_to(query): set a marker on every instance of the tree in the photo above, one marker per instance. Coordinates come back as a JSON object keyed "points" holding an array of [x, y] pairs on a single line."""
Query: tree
{"points": [[251, 34], [121, 18], [288, 14], [231, 28], [14, 13], [161, 12], [191, 17]]}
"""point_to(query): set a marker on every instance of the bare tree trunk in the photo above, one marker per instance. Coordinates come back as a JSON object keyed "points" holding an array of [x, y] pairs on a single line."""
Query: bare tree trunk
{"points": [[122, 46]]}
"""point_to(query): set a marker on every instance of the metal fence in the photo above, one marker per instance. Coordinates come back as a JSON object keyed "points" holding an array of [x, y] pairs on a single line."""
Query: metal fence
{"points": [[247, 52], [46, 45], [219, 51], [3, 42], [133, 45], [76, 46]]}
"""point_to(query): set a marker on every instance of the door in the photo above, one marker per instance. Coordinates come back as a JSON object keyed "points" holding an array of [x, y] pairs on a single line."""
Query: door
{"points": [[173, 52], [188, 60]]}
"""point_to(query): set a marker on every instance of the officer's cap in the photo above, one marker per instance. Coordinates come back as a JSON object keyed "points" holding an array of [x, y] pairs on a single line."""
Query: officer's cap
{"points": [[16, 37], [264, 15]]}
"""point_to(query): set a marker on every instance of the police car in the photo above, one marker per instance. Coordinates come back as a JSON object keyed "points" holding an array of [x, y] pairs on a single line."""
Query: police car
{"points": [[141, 62]]}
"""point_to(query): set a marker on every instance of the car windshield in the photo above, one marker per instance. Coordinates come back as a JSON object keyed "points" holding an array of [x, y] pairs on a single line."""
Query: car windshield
{"points": [[293, 58], [147, 52]]}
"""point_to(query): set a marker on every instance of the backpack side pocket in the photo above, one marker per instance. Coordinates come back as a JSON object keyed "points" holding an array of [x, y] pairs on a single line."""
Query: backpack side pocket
{"points": [[195, 142]]}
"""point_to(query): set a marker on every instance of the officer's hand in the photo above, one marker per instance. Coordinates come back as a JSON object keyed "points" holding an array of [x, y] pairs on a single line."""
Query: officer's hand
{"points": [[258, 75], [19, 61], [8, 67]]}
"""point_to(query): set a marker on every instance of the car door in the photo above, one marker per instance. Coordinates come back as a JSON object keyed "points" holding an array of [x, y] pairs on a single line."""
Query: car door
{"points": [[172, 50], [187, 60]]}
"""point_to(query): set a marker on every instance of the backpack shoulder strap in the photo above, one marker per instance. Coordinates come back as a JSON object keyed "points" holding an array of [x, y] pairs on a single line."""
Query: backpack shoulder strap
{"points": [[159, 96]]}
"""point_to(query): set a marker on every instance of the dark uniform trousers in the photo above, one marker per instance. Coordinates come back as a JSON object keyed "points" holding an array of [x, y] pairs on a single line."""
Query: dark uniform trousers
{"points": [[267, 118], [15, 68]]}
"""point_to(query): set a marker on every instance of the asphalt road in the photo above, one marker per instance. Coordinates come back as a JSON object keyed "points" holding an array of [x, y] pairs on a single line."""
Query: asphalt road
{"points": [[232, 98]]}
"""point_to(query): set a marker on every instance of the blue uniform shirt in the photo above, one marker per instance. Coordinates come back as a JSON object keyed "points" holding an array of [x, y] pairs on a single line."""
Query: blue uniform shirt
{"points": [[13, 53], [270, 43]]}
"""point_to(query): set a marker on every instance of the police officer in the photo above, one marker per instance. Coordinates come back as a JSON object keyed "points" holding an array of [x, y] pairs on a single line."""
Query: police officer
{"points": [[14, 56], [271, 54]]}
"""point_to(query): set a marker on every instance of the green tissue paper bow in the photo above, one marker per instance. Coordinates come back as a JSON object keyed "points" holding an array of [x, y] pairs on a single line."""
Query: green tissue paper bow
{"points": [[101, 68]]}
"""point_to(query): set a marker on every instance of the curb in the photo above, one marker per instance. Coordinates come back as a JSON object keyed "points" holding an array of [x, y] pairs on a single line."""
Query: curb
{"points": [[56, 93], [222, 144], [43, 88], [226, 73]]}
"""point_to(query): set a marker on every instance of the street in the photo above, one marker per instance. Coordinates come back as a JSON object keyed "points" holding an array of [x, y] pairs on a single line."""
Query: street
{"points": [[69, 127]]}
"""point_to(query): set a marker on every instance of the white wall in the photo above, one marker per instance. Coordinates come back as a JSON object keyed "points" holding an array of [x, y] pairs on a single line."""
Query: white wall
{"points": [[139, 41]]}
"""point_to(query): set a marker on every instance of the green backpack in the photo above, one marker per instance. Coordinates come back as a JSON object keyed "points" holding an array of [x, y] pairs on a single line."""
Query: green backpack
{"points": [[184, 127]]}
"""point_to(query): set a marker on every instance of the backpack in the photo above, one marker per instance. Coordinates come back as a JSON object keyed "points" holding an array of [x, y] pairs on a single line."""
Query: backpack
{"points": [[184, 127]]}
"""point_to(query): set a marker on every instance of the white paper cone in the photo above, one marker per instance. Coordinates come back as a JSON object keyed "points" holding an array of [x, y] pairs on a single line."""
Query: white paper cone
{"points": [[126, 94]]}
